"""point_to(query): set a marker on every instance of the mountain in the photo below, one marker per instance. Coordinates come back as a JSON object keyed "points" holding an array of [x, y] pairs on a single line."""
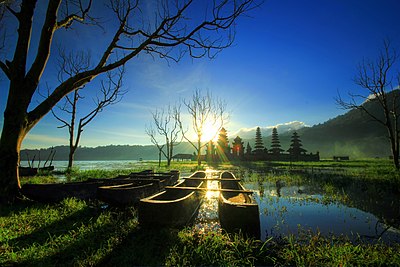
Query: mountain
{"points": [[250, 133], [352, 134]]}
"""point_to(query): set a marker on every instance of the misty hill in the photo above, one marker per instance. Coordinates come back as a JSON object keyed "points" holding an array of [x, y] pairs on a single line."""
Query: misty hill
{"points": [[352, 134]]}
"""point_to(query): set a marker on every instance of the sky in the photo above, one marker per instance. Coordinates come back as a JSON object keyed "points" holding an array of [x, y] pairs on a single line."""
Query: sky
{"points": [[289, 60]]}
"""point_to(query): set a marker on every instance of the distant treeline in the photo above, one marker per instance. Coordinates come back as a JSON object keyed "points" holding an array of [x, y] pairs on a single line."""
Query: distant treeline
{"points": [[111, 152]]}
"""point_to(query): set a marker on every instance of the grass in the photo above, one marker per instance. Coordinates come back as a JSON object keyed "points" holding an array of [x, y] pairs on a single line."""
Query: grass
{"points": [[79, 233]]}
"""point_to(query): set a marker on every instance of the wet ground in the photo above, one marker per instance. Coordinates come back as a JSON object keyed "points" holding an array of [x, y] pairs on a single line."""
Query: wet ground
{"points": [[307, 209]]}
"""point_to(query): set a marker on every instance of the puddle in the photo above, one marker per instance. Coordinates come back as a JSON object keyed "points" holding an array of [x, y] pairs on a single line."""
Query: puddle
{"points": [[286, 210]]}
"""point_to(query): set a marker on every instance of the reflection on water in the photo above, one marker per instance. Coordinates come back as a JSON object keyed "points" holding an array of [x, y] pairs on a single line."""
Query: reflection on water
{"points": [[288, 210], [207, 219], [61, 165]]}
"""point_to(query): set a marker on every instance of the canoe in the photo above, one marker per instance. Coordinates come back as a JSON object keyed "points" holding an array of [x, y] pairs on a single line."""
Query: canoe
{"points": [[141, 186], [237, 209], [58, 191], [88, 189], [30, 171], [166, 178], [173, 207], [130, 193]]}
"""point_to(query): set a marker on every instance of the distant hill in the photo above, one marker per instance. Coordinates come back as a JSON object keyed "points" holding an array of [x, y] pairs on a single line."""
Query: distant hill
{"points": [[352, 134], [111, 152]]}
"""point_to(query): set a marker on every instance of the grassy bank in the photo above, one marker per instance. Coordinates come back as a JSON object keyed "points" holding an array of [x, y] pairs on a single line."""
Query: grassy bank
{"points": [[79, 233], [76, 233]]}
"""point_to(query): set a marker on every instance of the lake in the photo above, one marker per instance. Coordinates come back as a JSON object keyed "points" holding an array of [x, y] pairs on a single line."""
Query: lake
{"points": [[61, 165], [305, 209]]}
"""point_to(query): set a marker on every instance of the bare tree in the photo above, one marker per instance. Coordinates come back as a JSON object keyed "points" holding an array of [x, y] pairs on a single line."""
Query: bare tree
{"points": [[166, 125], [169, 30], [110, 93], [203, 109], [152, 133], [380, 81]]}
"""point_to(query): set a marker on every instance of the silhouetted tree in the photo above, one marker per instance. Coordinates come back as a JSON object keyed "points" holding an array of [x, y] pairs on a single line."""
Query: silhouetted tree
{"points": [[376, 78], [110, 93], [248, 149], [167, 125], [171, 32], [210, 151], [259, 144], [275, 143], [203, 109], [296, 147]]}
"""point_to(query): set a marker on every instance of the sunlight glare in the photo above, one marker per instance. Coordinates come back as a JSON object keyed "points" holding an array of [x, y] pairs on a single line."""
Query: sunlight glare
{"points": [[210, 132]]}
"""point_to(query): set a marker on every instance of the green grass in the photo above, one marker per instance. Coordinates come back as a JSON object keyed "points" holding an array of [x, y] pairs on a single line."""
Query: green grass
{"points": [[79, 233]]}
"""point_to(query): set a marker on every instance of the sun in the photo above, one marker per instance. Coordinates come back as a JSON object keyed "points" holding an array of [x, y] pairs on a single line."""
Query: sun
{"points": [[210, 132]]}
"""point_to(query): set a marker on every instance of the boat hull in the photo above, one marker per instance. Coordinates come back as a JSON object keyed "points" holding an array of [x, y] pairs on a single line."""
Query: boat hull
{"points": [[172, 207], [238, 211], [128, 194], [56, 192], [30, 171], [88, 189]]}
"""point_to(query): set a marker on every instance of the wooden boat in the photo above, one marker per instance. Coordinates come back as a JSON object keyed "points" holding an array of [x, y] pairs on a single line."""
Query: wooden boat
{"points": [[237, 209], [57, 191], [128, 194], [30, 171], [174, 206], [141, 186], [88, 189]]}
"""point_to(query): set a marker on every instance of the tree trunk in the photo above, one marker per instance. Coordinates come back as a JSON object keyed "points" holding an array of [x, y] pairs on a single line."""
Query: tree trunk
{"points": [[395, 150], [159, 158], [70, 159], [10, 145], [199, 152], [170, 155]]}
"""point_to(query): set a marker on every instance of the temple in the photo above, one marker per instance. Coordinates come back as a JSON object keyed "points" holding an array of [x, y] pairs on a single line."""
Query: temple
{"points": [[223, 151]]}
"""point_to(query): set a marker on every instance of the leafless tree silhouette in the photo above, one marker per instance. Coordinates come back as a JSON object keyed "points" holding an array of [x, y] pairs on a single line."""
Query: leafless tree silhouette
{"points": [[110, 93], [170, 30], [167, 126], [380, 82], [202, 109]]}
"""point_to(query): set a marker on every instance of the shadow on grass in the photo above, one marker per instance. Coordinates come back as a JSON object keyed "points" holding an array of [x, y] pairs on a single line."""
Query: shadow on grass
{"points": [[143, 247], [91, 236], [56, 228], [18, 206]]}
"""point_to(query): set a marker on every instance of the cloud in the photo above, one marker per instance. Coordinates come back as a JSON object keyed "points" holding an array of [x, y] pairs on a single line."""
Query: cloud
{"points": [[166, 80], [247, 133], [41, 140]]}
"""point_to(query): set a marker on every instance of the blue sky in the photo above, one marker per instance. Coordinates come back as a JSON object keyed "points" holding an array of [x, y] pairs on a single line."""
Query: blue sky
{"points": [[288, 62]]}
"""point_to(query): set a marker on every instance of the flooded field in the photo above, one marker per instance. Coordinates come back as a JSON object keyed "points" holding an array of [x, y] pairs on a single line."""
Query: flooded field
{"points": [[296, 213], [61, 165], [360, 211], [352, 210], [314, 208]]}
